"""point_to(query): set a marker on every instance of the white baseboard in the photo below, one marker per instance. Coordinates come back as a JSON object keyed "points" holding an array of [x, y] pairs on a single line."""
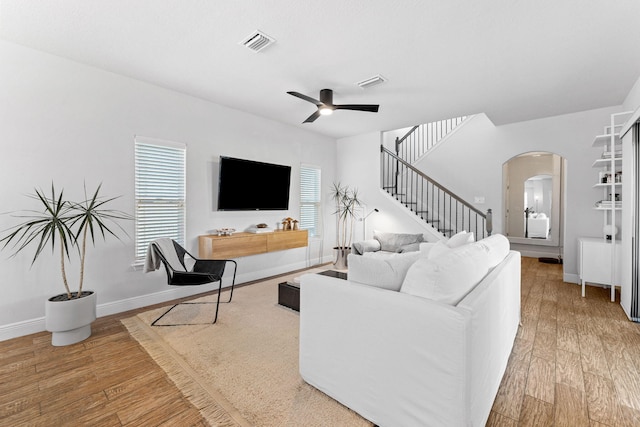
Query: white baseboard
{"points": [[571, 278], [20, 329], [36, 325]]}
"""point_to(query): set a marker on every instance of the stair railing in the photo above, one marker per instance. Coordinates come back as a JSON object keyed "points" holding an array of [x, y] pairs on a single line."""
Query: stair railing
{"points": [[431, 201], [421, 138]]}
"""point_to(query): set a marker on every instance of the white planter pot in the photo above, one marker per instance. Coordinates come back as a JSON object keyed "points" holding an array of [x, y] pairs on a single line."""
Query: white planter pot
{"points": [[341, 257], [70, 321]]}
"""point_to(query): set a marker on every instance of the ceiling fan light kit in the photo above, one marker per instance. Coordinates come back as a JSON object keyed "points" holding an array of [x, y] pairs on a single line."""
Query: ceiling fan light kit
{"points": [[326, 106]]}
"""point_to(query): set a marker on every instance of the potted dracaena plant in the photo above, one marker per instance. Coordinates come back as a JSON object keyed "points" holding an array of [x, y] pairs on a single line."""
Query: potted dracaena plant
{"points": [[347, 202], [70, 226]]}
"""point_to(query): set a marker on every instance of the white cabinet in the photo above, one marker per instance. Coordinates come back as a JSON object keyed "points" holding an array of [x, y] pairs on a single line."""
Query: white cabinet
{"points": [[596, 257]]}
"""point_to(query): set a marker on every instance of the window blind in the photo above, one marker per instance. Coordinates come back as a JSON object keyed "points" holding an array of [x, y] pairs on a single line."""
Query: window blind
{"points": [[159, 193], [310, 200]]}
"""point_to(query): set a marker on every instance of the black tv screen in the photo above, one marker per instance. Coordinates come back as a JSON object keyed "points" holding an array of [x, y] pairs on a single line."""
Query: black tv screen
{"points": [[247, 185]]}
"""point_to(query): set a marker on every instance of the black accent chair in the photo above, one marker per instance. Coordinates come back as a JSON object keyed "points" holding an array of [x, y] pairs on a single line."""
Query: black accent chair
{"points": [[204, 271]]}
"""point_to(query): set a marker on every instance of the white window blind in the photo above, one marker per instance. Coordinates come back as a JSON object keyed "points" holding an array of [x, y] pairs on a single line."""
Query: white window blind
{"points": [[160, 192], [310, 200]]}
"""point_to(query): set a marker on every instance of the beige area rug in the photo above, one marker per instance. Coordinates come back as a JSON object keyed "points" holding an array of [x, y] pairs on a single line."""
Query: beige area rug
{"points": [[244, 369]]}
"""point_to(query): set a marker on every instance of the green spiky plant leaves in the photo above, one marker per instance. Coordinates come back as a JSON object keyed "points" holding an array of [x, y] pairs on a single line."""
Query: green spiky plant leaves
{"points": [[347, 201], [65, 224]]}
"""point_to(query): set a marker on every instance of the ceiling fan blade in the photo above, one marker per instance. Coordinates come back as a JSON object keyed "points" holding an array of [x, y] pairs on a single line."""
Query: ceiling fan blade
{"points": [[305, 97], [312, 118], [358, 107]]}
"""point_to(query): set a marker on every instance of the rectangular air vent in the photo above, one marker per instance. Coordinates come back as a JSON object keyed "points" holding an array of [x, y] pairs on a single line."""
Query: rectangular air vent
{"points": [[257, 41], [371, 81]]}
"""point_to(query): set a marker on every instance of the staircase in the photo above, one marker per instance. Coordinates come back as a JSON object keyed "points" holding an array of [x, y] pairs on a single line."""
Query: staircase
{"points": [[429, 200], [422, 138]]}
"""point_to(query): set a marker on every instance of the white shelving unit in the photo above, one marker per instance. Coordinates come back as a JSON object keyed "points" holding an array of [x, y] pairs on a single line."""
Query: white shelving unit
{"points": [[599, 257]]}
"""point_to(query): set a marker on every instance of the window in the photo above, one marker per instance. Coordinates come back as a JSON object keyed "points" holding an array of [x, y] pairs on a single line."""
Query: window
{"points": [[310, 200], [160, 192]]}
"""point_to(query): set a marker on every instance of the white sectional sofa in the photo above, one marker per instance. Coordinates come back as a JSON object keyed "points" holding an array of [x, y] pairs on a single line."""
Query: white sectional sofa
{"points": [[432, 353]]}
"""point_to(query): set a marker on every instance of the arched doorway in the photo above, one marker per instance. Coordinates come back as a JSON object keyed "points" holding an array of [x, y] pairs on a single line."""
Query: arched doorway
{"points": [[533, 194]]}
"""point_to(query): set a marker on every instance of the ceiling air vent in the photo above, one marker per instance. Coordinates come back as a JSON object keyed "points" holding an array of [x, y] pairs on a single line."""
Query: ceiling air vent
{"points": [[371, 81], [257, 41]]}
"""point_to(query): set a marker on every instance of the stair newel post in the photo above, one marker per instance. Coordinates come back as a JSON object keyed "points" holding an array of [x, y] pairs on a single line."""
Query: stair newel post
{"points": [[395, 185], [489, 222]]}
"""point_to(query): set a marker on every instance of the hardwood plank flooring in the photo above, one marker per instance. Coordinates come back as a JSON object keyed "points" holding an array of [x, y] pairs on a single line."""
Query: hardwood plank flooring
{"points": [[575, 362], [583, 357], [106, 380]]}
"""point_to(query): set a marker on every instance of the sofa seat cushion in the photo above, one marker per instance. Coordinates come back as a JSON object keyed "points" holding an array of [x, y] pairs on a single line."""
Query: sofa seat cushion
{"points": [[386, 272], [449, 277], [398, 242]]}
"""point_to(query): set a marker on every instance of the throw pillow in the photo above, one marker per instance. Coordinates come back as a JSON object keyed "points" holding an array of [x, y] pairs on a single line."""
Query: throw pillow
{"points": [[449, 277], [461, 238], [370, 245], [385, 273], [392, 242]]}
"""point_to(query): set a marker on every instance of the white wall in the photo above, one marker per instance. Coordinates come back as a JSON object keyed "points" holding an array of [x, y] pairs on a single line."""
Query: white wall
{"points": [[632, 101], [470, 164], [359, 167], [68, 123]]}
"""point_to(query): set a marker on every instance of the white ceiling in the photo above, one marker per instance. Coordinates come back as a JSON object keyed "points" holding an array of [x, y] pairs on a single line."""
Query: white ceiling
{"points": [[513, 60]]}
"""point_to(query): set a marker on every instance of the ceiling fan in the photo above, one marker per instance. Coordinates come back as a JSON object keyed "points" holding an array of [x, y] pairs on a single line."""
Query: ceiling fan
{"points": [[326, 106]]}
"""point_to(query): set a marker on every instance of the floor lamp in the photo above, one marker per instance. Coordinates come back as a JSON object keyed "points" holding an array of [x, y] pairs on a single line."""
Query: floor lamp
{"points": [[364, 224]]}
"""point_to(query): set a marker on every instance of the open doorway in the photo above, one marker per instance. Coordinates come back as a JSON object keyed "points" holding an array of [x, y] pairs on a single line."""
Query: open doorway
{"points": [[533, 194]]}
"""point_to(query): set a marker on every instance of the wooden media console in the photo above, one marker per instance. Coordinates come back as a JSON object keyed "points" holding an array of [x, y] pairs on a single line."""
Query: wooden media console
{"points": [[242, 244]]}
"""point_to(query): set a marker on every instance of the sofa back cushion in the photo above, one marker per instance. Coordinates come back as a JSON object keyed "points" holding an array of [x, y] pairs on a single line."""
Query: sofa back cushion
{"points": [[460, 238], [497, 246], [453, 273], [448, 277], [438, 249], [398, 242], [386, 273]]}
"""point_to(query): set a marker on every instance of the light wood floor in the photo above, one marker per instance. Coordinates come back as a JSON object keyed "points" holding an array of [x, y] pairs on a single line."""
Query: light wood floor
{"points": [[576, 362], [106, 380]]}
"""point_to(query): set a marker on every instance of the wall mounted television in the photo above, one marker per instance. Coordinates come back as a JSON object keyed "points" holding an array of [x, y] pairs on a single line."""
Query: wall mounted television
{"points": [[247, 185]]}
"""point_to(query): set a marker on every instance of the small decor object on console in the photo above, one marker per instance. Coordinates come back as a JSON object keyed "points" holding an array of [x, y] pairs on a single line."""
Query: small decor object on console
{"points": [[289, 224], [225, 231], [259, 228]]}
